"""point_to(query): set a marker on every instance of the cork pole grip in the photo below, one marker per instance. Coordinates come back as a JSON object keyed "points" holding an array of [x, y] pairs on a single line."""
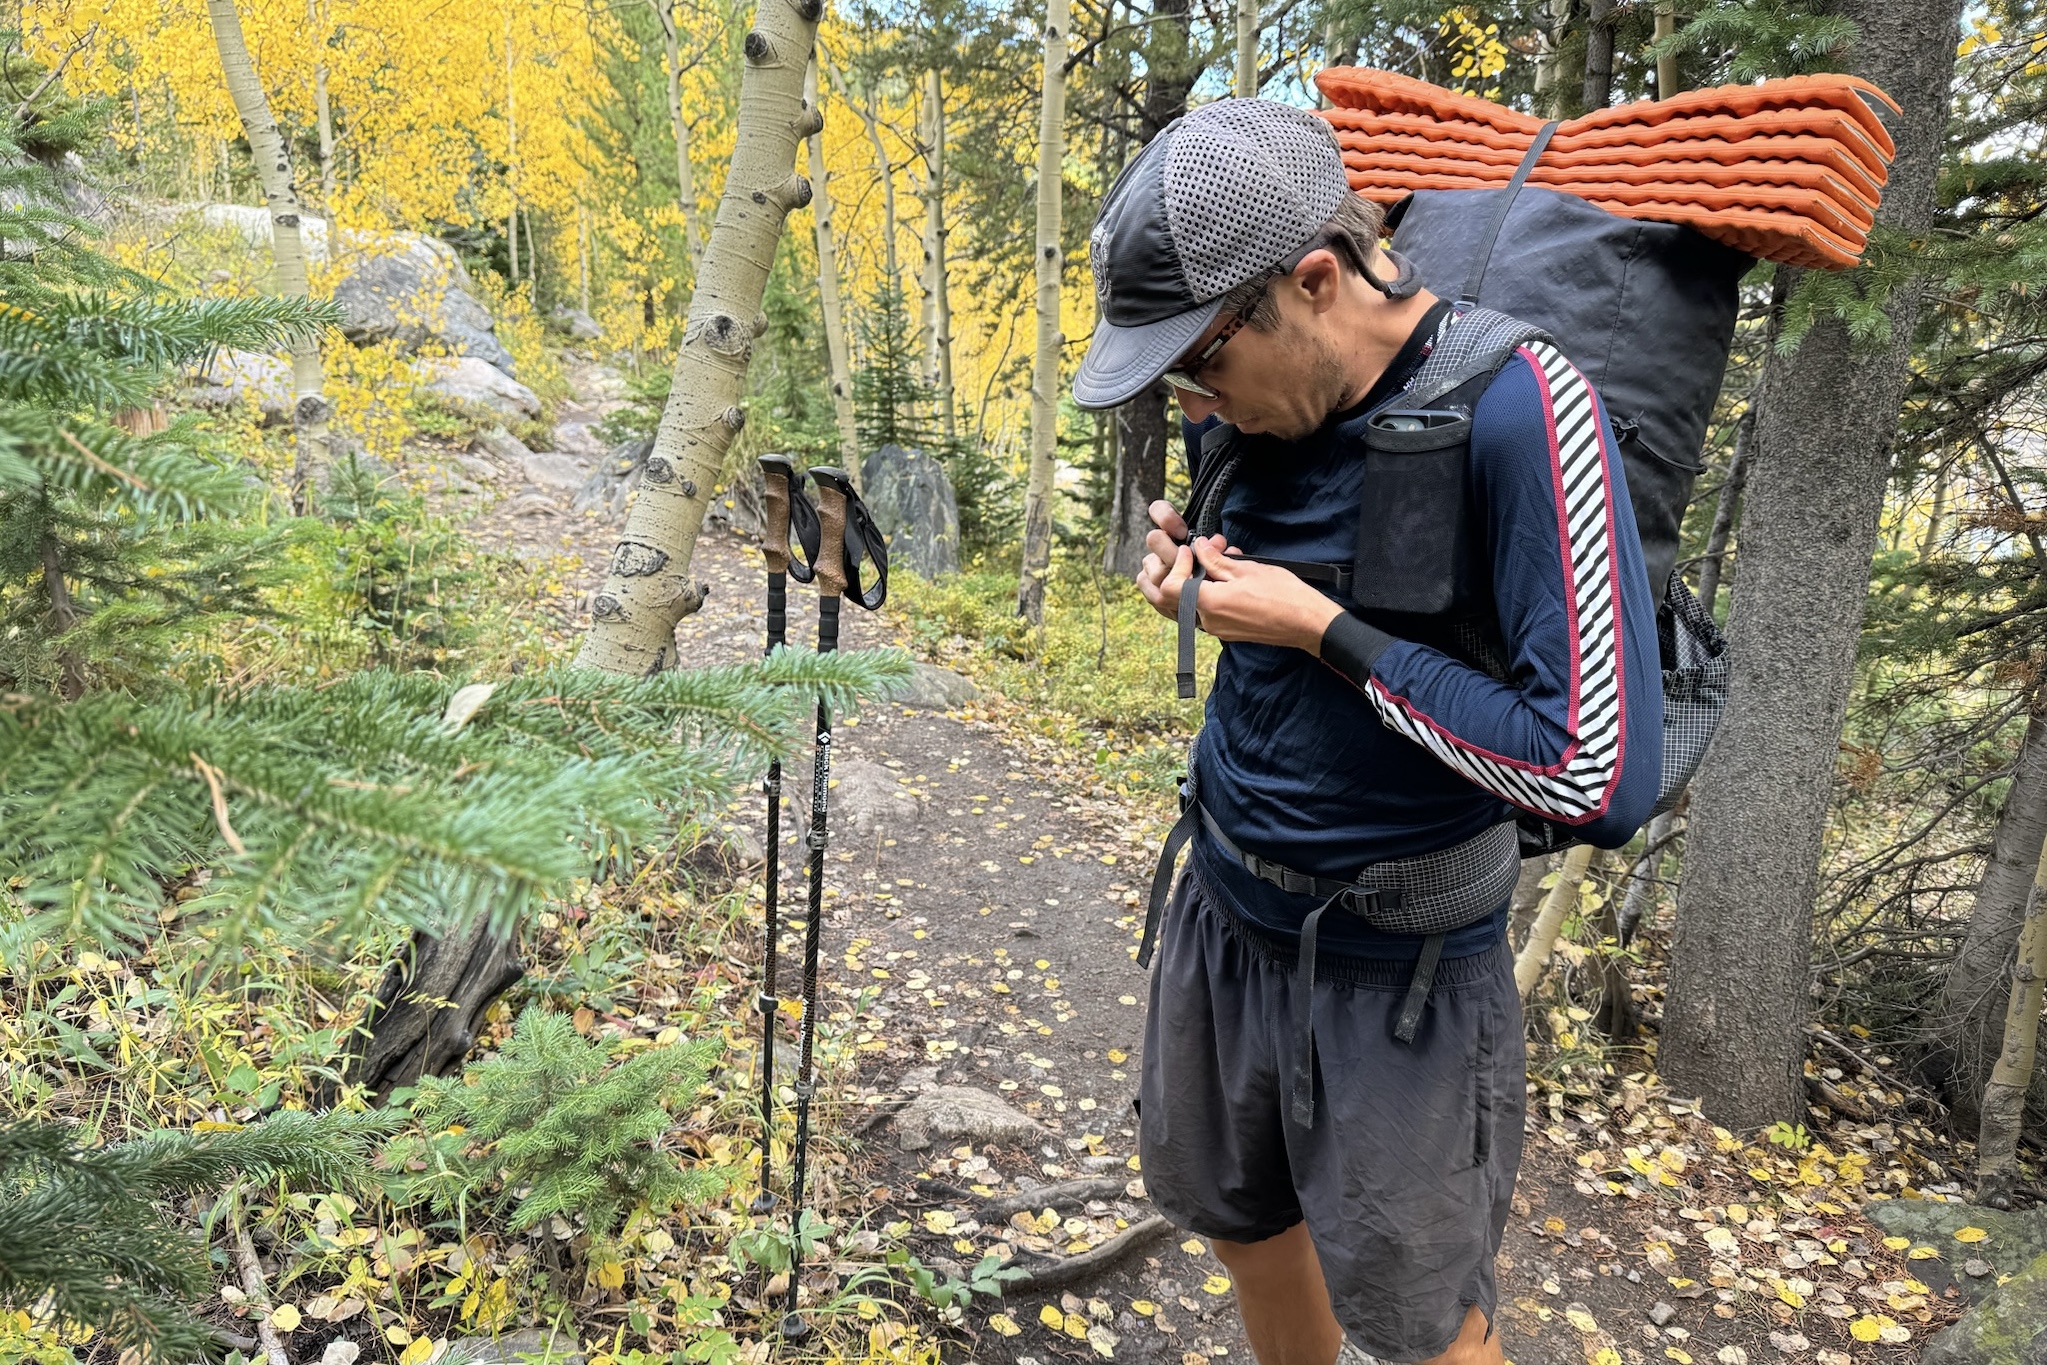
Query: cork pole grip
{"points": [[775, 534], [831, 550]]}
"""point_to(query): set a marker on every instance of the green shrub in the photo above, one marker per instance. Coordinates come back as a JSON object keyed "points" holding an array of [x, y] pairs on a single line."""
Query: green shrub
{"points": [[551, 1127]]}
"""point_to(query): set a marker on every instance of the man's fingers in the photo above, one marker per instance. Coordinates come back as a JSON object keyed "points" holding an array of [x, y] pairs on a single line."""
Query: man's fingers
{"points": [[1168, 520], [1209, 549]]}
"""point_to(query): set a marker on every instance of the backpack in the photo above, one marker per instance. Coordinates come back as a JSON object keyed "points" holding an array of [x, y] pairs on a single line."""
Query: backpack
{"points": [[1647, 312]]}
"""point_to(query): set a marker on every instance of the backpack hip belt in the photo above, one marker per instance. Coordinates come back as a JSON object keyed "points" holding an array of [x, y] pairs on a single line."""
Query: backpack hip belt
{"points": [[1430, 894]]}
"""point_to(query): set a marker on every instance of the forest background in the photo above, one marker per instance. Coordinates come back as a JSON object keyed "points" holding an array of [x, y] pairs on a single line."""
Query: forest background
{"points": [[1872, 876]]}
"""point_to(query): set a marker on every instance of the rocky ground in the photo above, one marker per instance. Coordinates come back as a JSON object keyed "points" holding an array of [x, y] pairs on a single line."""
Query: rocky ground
{"points": [[983, 907]]}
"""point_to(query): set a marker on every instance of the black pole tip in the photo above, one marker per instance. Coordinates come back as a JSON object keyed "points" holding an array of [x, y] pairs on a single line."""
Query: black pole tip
{"points": [[763, 1202], [793, 1327]]}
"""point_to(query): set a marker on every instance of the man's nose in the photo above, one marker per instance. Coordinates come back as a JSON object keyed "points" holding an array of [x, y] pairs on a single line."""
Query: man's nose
{"points": [[1197, 408]]}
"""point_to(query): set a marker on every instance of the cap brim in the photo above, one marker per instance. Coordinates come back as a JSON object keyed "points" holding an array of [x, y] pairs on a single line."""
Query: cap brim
{"points": [[1123, 362]]}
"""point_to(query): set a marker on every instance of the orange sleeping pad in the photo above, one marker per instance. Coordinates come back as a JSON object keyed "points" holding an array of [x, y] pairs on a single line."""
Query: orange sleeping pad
{"points": [[1790, 170]]}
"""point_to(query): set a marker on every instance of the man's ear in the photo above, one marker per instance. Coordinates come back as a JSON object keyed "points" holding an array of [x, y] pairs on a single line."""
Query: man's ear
{"points": [[1320, 277]]}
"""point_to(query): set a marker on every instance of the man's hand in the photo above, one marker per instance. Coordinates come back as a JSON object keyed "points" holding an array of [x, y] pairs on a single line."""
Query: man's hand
{"points": [[1241, 601]]}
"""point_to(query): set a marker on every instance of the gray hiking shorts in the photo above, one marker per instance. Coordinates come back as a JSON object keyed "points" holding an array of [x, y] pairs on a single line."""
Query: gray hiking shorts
{"points": [[1406, 1176]]}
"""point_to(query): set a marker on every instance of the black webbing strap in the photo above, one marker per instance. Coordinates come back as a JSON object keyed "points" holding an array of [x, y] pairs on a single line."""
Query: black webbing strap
{"points": [[864, 544], [1506, 206], [804, 530], [1304, 1018], [1162, 880], [1418, 989], [1190, 591]]}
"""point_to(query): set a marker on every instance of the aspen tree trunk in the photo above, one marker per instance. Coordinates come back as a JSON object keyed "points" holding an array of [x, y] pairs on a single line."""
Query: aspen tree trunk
{"points": [[1037, 545], [1965, 1016], [1713, 564], [2004, 1097], [511, 153], [1666, 65], [583, 258], [892, 267], [935, 233], [287, 253], [1598, 92], [647, 588], [1549, 63], [685, 178], [1734, 1024], [1247, 48], [323, 110], [1533, 959], [828, 289]]}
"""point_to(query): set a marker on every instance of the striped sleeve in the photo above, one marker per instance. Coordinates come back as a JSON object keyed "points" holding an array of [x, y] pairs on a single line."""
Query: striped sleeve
{"points": [[1574, 733]]}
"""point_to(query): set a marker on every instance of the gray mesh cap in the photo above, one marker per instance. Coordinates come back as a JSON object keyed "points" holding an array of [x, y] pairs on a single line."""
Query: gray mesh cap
{"points": [[1221, 196]]}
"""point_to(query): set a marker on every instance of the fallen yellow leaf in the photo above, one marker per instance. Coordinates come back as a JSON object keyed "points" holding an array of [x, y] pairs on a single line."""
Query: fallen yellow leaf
{"points": [[1680, 1356], [1193, 1247], [1970, 1235], [1216, 1284], [1144, 1308], [418, 1352], [1865, 1329], [284, 1318], [940, 1220], [1921, 1254], [1004, 1324], [1581, 1320], [1896, 1244], [1052, 1317], [1076, 1326]]}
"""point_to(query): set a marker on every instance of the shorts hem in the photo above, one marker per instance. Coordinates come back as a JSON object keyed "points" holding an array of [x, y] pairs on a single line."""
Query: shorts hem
{"points": [[1202, 1227]]}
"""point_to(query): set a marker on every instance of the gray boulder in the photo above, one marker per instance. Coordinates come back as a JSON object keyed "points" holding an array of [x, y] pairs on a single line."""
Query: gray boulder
{"points": [[2013, 1241], [231, 377], [913, 504], [577, 323], [938, 689], [502, 444], [478, 383], [965, 1113], [547, 469], [409, 287], [2007, 1328]]}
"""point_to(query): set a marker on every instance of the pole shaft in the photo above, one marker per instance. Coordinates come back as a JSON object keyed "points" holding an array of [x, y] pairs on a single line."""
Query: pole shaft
{"points": [[778, 618], [813, 930]]}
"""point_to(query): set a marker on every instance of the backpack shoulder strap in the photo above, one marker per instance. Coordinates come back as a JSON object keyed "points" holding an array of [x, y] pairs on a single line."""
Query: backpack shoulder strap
{"points": [[1476, 344]]}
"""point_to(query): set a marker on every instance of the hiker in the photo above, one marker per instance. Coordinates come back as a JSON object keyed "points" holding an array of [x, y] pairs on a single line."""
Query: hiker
{"points": [[1333, 1078]]}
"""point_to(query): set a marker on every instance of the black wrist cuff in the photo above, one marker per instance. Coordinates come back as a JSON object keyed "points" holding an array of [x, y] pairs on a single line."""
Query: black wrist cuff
{"points": [[1351, 646]]}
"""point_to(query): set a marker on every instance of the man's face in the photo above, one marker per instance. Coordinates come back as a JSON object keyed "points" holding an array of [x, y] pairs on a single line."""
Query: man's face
{"points": [[1280, 383]]}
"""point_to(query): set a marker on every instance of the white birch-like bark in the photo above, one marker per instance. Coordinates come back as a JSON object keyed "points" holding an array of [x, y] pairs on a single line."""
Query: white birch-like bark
{"points": [[836, 349], [1247, 48], [685, 176], [935, 231], [1666, 65], [272, 156], [648, 588], [1037, 545], [511, 153], [1533, 959], [2004, 1098], [323, 108]]}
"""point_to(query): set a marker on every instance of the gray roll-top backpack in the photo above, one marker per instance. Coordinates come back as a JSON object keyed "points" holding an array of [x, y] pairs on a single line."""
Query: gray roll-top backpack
{"points": [[1647, 312]]}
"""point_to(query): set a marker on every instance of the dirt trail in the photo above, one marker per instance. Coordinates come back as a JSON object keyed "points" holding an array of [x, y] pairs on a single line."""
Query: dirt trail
{"points": [[991, 906]]}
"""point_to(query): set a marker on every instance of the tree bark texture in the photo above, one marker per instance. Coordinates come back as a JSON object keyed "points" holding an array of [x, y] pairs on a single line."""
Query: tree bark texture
{"points": [[1965, 1018], [2004, 1097], [647, 587], [1037, 544], [1598, 90], [1144, 428], [323, 108], [272, 156], [1740, 992], [935, 230], [836, 350], [1247, 49], [429, 1006], [685, 177]]}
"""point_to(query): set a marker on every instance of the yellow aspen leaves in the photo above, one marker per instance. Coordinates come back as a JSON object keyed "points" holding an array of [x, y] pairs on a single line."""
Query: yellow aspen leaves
{"points": [[1581, 1319], [284, 1317], [1004, 1324], [1970, 1234], [940, 1220], [1216, 1284], [1051, 1317]]}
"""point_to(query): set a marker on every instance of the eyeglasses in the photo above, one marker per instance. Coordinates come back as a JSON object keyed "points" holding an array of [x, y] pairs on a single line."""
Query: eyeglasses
{"points": [[1187, 377]]}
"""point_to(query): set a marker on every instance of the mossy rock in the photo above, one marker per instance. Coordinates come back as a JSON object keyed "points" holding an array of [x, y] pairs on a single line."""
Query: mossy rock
{"points": [[2009, 1327], [2011, 1242]]}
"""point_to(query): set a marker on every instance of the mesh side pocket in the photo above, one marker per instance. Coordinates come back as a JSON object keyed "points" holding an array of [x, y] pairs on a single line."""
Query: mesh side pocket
{"points": [[1695, 669]]}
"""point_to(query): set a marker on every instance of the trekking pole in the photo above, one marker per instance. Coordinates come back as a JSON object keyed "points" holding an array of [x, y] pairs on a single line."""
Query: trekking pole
{"points": [[829, 566], [784, 489]]}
